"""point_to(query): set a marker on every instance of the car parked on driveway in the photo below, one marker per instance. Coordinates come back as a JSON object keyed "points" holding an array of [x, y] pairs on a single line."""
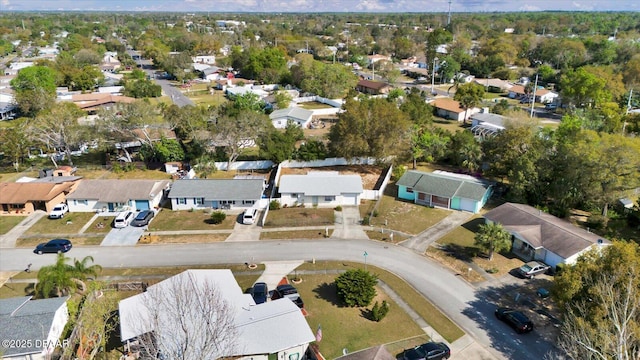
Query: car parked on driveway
{"points": [[533, 268], [260, 292], [516, 319], [123, 219], [143, 218], [58, 211], [289, 292], [428, 351], [53, 246]]}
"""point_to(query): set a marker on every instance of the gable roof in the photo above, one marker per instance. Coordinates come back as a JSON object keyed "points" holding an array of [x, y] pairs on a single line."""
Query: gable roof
{"points": [[117, 191], [448, 105], [22, 192], [445, 184], [92, 100], [262, 329], [292, 112], [217, 189], [318, 183], [540, 229], [375, 85], [26, 319]]}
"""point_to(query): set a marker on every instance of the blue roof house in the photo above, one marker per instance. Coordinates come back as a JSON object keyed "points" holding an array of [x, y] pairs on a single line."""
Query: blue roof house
{"points": [[445, 190]]}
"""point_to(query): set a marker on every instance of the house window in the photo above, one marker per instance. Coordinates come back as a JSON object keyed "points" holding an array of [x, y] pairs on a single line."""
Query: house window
{"points": [[248, 202], [182, 201], [295, 356], [198, 201], [228, 202], [329, 198], [410, 190]]}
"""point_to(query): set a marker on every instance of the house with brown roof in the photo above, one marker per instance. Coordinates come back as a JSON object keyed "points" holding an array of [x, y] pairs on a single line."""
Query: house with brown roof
{"points": [[452, 109], [21, 198], [542, 95], [540, 236], [372, 87], [94, 101]]}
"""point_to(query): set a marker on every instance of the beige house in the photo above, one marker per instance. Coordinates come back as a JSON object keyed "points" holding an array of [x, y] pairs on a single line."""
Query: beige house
{"points": [[23, 198]]}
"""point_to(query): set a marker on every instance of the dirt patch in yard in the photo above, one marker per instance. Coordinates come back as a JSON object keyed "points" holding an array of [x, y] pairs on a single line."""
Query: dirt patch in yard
{"points": [[369, 174]]}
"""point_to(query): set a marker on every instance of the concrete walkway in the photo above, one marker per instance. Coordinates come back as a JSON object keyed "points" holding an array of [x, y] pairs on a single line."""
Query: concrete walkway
{"points": [[9, 239], [421, 242], [348, 224], [274, 271]]}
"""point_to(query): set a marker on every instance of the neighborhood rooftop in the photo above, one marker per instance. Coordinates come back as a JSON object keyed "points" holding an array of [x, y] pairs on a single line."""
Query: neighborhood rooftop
{"points": [[218, 189], [445, 184], [117, 190], [318, 183]]}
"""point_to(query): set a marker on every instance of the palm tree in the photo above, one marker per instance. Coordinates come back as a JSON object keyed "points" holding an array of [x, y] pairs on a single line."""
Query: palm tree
{"points": [[61, 279], [493, 237]]}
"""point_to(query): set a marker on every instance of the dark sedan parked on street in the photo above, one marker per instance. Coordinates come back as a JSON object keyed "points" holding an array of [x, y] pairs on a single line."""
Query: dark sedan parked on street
{"points": [[53, 246], [516, 319]]}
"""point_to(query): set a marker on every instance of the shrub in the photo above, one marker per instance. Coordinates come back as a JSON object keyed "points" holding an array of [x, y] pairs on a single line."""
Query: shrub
{"points": [[375, 213], [597, 221], [366, 220], [378, 312], [356, 287], [397, 172], [338, 208], [274, 205], [217, 217]]}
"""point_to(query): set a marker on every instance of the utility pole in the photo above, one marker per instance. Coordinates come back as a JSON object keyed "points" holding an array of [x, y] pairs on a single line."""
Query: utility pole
{"points": [[533, 100], [624, 125], [449, 16], [433, 74]]}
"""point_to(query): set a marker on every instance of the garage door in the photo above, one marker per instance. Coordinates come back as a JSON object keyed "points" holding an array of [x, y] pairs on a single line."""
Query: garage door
{"points": [[142, 204], [468, 205], [350, 199]]}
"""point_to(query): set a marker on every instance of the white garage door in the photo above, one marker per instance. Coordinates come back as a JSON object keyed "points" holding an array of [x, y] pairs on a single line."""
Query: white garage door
{"points": [[350, 199], [468, 205]]}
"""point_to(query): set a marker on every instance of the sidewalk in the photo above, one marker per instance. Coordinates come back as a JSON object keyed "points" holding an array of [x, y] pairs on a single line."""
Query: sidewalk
{"points": [[421, 242], [9, 239]]}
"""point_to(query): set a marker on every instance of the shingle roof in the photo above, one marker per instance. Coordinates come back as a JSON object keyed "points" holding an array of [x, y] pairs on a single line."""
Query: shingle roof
{"points": [[218, 189], [117, 190], [448, 105], [292, 112], [25, 319], [543, 230], [369, 84], [318, 184], [20, 193], [445, 184]]}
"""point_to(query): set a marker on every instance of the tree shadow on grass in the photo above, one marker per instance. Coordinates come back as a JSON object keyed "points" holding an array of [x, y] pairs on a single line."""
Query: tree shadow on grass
{"points": [[328, 292], [459, 252], [473, 225]]}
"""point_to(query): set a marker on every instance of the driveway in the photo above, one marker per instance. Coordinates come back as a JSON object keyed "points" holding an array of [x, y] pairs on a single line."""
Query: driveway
{"points": [[347, 224], [126, 236], [242, 232]]}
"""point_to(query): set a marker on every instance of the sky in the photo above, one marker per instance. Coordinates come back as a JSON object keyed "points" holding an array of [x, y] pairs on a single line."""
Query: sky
{"points": [[319, 5]]}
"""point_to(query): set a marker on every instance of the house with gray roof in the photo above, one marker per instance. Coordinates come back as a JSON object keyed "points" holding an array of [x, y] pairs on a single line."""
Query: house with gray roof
{"points": [[485, 124], [36, 324], [117, 195], [301, 117], [216, 193], [275, 329], [540, 236], [444, 189], [320, 188]]}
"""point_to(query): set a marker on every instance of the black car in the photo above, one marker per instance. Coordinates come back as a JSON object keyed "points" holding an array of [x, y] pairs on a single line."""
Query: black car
{"points": [[516, 319], [289, 292], [143, 218], [428, 351], [260, 292], [53, 246]]}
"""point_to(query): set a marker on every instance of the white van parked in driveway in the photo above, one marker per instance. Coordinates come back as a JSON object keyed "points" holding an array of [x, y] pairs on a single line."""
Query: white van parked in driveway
{"points": [[123, 219], [249, 216]]}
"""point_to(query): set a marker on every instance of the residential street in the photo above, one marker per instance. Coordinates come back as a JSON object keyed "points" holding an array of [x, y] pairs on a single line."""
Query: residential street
{"points": [[455, 297]]}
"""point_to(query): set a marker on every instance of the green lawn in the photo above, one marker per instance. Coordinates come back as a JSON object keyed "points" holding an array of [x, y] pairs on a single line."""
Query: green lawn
{"points": [[8, 222], [168, 220], [70, 224], [349, 328], [300, 216], [405, 216], [312, 105], [294, 234]]}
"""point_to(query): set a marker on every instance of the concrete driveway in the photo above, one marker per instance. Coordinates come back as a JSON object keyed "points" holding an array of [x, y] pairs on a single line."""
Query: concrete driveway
{"points": [[126, 236]]}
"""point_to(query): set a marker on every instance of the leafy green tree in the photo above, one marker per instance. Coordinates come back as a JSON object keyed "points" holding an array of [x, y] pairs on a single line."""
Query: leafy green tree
{"points": [[600, 300], [15, 143], [469, 95], [327, 80], [282, 99], [87, 78], [277, 145], [236, 131], [356, 287], [492, 237], [61, 279], [217, 217], [248, 101], [465, 151], [369, 127], [379, 311], [142, 89], [449, 67], [312, 149], [583, 88], [415, 106], [35, 89], [162, 151], [82, 271]]}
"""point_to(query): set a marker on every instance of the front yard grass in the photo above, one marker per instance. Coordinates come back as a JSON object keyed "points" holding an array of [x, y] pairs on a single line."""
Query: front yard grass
{"points": [[169, 220], [182, 239], [458, 247], [429, 312], [300, 216], [349, 328], [294, 234], [138, 174], [70, 224], [9, 222]]}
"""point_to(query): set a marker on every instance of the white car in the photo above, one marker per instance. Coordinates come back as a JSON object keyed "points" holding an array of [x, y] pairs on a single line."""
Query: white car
{"points": [[59, 211], [249, 216]]}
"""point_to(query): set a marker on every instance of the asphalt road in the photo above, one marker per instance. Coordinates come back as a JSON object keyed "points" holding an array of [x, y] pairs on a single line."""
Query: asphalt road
{"points": [[470, 309], [167, 88]]}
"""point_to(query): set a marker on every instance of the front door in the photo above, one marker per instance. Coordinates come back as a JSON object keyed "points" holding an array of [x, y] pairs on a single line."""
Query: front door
{"points": [[314, 201], [111, 207]]}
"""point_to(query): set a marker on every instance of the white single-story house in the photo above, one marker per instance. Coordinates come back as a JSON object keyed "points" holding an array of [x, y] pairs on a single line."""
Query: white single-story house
{"points": [[36, 325], [485, 124], [301, 117], [541, 236], [451, 109], [320, 188], [117, 195], [275, 329], [216, 193], [543, 96], [444, 189], [204, 59]]}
